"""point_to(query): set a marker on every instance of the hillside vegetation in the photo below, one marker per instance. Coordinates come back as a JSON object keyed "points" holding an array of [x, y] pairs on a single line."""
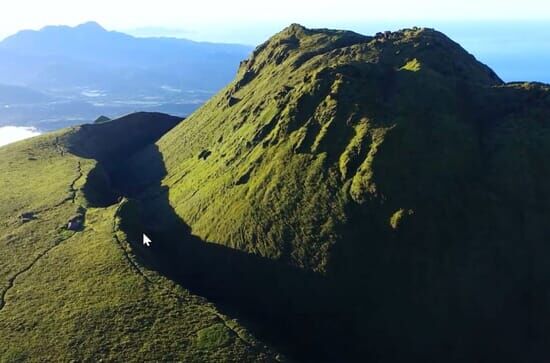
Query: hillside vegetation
{"points": [[82, 295], [397, 170], [292, 141], [348, 198]]}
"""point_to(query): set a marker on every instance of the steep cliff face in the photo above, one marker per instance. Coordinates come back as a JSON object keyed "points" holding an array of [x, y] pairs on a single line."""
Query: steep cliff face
{"points": [[272, 164], [398, 167]]}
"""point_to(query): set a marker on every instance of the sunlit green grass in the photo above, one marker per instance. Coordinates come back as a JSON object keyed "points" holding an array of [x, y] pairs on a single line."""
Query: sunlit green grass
{"points": [[305, 143], [74, 296]]}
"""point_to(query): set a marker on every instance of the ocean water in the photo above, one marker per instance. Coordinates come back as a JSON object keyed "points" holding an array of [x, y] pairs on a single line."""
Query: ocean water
{"points": [[517, 51], [9, 134]]}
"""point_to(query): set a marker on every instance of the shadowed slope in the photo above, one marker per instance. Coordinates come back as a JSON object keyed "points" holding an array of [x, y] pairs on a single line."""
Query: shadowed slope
{"points": [[398, 167]]}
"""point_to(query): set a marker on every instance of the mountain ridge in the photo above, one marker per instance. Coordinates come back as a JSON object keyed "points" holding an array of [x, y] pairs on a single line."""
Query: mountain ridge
{"points": [[71, 288], [284, 59], [395, 166]]}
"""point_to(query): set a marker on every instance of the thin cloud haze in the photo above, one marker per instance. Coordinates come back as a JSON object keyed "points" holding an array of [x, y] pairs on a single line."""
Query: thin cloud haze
{"points": [[197, 16], [10, 134]]}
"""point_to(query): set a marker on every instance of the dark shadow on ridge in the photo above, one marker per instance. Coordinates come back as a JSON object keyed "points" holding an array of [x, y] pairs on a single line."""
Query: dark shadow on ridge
{"points": [[293, 310], [386, 301], [112, 144]]}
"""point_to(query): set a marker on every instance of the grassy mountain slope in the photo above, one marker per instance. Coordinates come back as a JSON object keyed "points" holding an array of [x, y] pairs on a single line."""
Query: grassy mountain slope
{"points": [[308, 109], [398, 168], [83, 295]]}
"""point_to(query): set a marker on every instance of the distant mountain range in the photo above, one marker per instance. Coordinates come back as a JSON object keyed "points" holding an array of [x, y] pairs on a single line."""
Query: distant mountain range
{"points": [[21, 95], [113, 72]]}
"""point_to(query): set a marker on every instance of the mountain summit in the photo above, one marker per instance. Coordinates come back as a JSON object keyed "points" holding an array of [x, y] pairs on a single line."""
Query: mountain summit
{"points": [[91, 25], [397, 167], [312, 109]]}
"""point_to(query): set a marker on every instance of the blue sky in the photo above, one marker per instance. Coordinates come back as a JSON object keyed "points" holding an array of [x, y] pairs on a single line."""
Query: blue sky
{"points": [[247, 21], [513, 37]]}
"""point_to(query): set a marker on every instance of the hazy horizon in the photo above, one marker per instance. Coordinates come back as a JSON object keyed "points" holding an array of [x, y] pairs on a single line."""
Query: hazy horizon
{"points": [[527, 42], [481, 27], [255, 34], [250, 22]]}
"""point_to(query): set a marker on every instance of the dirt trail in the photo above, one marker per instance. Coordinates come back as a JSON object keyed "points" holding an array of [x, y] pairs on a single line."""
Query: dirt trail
{"points": [[73, 192], [11, 281], [136, 267]]}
